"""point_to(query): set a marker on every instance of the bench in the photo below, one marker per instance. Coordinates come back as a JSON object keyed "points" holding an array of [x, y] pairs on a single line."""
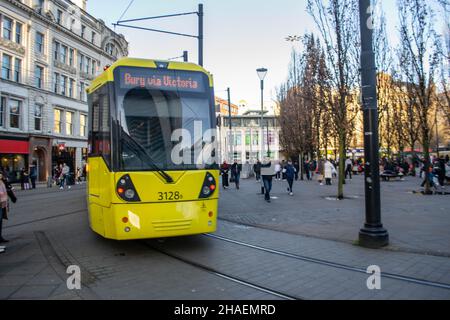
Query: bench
{"points": [[388, 175]]}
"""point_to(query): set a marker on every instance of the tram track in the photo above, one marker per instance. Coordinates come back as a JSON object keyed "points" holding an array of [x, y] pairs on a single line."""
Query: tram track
{"points": [[331, 263], [220, 274], [44, 219]]}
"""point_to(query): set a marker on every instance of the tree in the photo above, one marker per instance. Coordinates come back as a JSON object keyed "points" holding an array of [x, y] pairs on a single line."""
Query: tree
{"points": [[420, 48], [339, 32]]}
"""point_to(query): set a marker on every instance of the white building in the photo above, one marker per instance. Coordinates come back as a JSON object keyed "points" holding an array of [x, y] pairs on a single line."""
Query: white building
{"points": [[246, 141], [50, 50]]}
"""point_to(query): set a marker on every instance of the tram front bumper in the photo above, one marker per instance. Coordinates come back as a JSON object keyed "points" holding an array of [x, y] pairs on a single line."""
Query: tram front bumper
{"points": [[160, 220]]}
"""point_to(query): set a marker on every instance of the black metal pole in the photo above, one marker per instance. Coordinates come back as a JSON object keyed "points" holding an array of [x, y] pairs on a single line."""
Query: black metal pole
{"points": [[230, 125], [200, 34], [262, 119], [373, 235], [185, 56]]}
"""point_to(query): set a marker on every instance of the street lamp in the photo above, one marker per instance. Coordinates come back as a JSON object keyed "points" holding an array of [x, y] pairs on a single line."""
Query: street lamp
{"points": [[262, 72]]}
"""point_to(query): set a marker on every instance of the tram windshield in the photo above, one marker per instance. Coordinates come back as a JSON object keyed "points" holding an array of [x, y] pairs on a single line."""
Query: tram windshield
{"points": [[155, 120]]}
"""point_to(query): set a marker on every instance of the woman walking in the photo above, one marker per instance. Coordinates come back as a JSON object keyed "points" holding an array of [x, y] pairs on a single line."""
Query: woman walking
{"points": [[329, 169], [290, 176], [5, 189]]}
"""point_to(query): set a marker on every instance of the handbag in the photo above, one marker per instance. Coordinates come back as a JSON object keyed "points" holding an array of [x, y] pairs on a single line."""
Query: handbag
{"points": [[11, 195]]}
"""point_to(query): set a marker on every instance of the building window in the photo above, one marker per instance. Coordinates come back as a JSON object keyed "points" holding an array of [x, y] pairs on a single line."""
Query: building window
{"points": [[18, 33], [7, 28], [14, 113], [2, 110], [237, 139], [39, 42], [38, 74], [59, 17], [63, 57], [55, 82], [6, 67], [87, 65], [71, 55], [83, 127], [57, 124], [82, 92], [94, 67], [248, 138], [83, 31], [69, 123], [81, 62], [39, 6], [38, 117], [111, 49], [56, 51], [71, 87], [256, 138], [93, 37], [63, 85], [17, 69]]}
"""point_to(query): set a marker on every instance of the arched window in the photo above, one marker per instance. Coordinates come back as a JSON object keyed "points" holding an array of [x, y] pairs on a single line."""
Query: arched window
{"points": [[111, 49]]}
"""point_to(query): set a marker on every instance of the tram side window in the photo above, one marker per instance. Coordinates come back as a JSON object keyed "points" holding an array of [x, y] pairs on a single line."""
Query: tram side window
{"points": [[100, 138]]}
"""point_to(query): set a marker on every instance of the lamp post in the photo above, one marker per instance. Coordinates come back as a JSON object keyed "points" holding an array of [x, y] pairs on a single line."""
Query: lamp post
{"points": [[262, 72], [372, 235]]}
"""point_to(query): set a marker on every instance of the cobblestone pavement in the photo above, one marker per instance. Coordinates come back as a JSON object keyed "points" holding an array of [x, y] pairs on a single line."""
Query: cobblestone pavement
{"points": [[415, 223], [48, 229]]}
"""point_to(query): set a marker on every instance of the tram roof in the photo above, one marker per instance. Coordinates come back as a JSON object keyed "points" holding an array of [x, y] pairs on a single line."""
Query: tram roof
{"points": [[108, 74]]}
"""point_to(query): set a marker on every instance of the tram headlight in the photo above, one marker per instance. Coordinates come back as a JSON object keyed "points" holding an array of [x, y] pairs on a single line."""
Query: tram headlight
{"points": [[208, 187], [129, 194], [206, 191], [126, 190]]}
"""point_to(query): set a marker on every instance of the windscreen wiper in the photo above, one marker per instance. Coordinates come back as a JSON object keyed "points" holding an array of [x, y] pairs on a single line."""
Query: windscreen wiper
{"points": [[138, 148]]}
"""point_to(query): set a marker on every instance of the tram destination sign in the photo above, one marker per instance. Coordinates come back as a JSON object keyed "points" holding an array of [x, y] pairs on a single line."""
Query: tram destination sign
{"points": [[172, 80]]}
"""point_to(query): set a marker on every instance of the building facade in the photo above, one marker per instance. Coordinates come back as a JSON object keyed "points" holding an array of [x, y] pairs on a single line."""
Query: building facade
{"points": [[247, 139], [50, 51]]}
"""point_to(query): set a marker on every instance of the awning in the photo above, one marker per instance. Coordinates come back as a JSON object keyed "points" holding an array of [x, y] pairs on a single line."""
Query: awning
{"points": [[14, 146]]}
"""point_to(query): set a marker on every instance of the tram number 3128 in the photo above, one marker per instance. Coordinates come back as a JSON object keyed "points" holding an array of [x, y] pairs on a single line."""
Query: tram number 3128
{"points": [[169, 196]]}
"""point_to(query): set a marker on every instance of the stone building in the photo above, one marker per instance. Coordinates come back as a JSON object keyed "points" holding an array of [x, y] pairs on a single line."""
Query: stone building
{"points": [[50, 51]]}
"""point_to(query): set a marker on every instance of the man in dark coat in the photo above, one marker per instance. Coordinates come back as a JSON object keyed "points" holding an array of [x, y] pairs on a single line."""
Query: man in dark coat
{"points": [[224, 170], [236, 173], [257, 170]]}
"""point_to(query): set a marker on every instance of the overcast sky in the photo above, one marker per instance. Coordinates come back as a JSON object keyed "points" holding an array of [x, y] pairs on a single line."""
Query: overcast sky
{"points": [[240, 36]]}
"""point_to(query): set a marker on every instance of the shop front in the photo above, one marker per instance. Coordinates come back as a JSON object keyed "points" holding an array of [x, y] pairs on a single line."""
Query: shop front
{"points": [[14, 152]]}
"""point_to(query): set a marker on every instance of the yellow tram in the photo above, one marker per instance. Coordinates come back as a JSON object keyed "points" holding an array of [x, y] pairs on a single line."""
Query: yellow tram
{"points": [[151, 160]]}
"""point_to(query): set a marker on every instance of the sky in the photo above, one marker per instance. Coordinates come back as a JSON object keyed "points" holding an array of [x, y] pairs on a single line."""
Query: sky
{"points": [[239, 37]]}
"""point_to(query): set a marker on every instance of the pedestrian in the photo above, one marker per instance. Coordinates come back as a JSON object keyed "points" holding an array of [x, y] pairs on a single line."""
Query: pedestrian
{"points": [[290, 176], [65, 171], [257, 170], [328, 169], [224, 170], [33, 176], [278, 171], [6, 191], [348, 168], [297, 170], [283, 166], [236, 173], [268, 171], [306, 168], [26, 179], [320, 171], [22, 179], [78, 176]]}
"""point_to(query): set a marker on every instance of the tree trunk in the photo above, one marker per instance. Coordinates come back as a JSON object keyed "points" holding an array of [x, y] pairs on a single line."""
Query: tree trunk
{"points": [[426, 151], [341, 175]]}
